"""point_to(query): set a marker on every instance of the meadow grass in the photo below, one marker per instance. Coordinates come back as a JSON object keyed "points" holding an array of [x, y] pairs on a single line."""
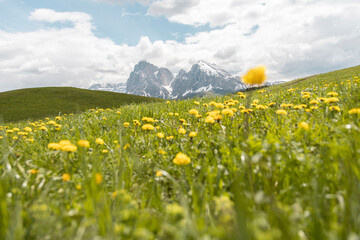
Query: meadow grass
{"points": [[36, 103], [289, 168]]}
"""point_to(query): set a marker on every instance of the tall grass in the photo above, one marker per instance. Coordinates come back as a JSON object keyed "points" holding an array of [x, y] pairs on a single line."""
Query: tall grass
{"points": [[278, 181]]}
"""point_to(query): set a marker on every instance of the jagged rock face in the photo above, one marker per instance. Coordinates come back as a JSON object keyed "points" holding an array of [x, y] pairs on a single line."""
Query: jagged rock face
{"points": [[204, 77], [149, 80], [111, 87]]}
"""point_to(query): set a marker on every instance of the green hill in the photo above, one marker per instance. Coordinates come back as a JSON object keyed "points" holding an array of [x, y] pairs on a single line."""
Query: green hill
{"points": [[34, 103]]}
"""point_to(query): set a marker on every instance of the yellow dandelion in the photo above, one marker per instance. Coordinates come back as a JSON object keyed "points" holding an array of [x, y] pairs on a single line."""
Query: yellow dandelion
{"points": [[181, 159], [51, 122], [354, 111], [99, 141], [158, 173], [69, 148], [255, 76], [160, 135], [54, 146], [209, 119], [83, 143], [182, 130], [105, 151], [192, 134], [169, 137], [161, 152], [126, 146], [66, 177], [148, 127], [281, 111], [98, 178], [28, 129], [333, 94], [194, 112], [331, 100], [304, 125], [227, 112], [335, 108], [126, 124], [314, 102], [34, 171]]}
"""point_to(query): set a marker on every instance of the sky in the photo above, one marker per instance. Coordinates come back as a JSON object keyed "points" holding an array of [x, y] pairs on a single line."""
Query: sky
{"points": [[81, 42]]}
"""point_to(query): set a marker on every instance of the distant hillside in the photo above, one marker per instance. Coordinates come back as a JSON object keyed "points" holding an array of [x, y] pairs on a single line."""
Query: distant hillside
{"points": [[34, 103]]}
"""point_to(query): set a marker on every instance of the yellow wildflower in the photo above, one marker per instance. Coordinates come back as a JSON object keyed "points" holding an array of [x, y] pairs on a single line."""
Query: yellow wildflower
{"points": [[98, 178], [54, 146], [314, 102], [354, 111], [34, 171], [147, 127], [331, 100], [83, 143], [304, 125], [158, 173], [192, 134], [209, 119], [333, 94], [51, 122], [182, 130], [69, 148], [281, 111], [27, 129], [162, 152], [255, 76], [181, 159], [194, 112], [99, 141], [126, 124], [66, 177], [160, 135], [227, 112], [335, 108]]}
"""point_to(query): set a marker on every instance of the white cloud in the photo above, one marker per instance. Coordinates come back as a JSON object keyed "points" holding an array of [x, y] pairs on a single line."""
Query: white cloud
{"points": [[293, 39], [80, 20], [144, 2]]}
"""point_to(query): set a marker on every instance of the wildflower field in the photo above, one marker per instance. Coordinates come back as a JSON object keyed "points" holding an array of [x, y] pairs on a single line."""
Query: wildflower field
{"points": [[277, 163]]}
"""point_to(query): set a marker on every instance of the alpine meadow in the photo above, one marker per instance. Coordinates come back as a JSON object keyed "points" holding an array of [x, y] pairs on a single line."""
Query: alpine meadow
{"points": [[281, 162]]}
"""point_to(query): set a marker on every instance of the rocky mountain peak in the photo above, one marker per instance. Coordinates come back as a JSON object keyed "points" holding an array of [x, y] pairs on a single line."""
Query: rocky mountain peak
{"points": [[149, 80]]}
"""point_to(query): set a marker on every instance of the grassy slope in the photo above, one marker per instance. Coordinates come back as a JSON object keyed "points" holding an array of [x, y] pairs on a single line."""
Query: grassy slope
{"points": [[334, 75], [270, 180], [36, 103]]}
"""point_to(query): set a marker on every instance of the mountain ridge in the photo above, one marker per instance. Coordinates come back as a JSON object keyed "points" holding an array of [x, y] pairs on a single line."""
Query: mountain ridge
{"points": [[146, 79]]}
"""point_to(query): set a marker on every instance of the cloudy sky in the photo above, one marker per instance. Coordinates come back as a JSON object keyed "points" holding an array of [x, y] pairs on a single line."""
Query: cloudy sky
{"points": [[80, 42]]}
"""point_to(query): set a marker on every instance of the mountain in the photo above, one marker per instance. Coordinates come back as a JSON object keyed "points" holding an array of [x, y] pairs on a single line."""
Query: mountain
{"points": [[149, 80], [204, 77], [111, 87]]}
